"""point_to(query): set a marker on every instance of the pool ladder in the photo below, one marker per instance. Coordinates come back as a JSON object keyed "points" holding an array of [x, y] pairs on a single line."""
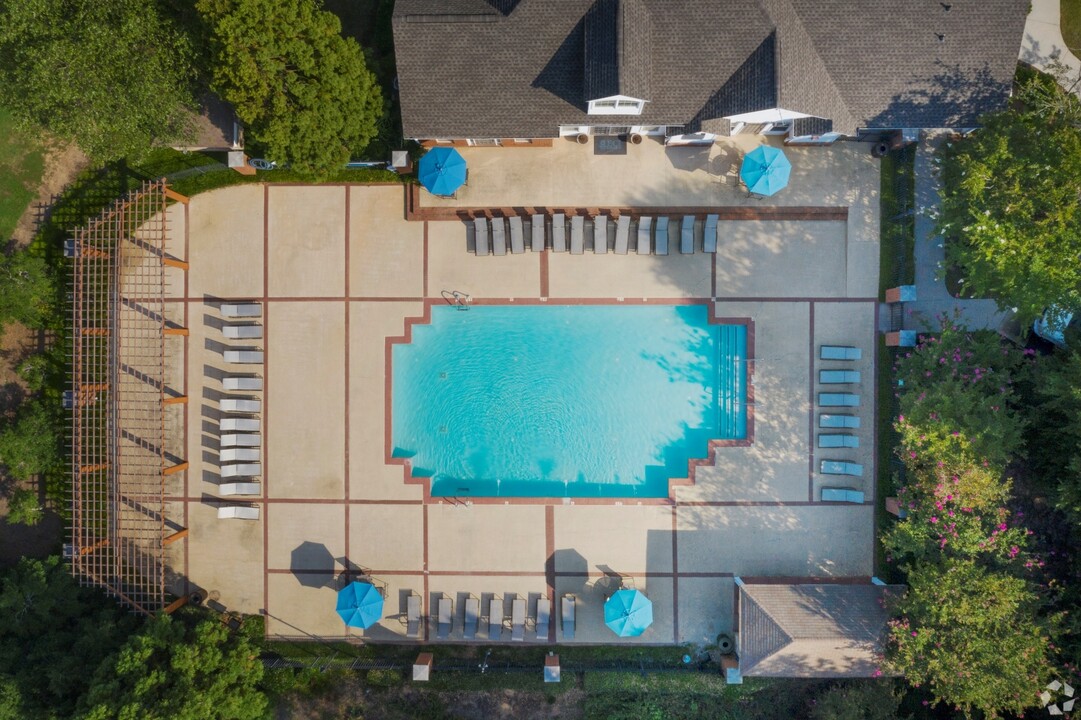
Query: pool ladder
{"points": [[458, 299]]}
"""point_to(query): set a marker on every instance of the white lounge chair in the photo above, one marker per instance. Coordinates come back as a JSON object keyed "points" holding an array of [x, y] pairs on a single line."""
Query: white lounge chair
{"points": [[686, 245], [241, 454], [568, 617], [623, 231], [709, 234], [230, 424], [446, 617], [240, 405], [600, 234], [472, 612], [578, 224], [838, 440], [242, 310], [840, 467], [480, 229], [244, 357], [495, 619], [838, 400], [499, 236], [645, 242], [244, 440], [412, 615], [536, 230], [559, 233], [242, 382], [226, 489], [242, 331], [660, 241], [238, 512], [517, 240], [829, 420], [839, 352], [544, 613], [517, 620], [240, 470], [838, 377]]}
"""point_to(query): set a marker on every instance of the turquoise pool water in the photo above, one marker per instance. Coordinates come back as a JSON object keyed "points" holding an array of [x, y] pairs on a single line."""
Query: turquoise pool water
{"points": [[565, 401]]}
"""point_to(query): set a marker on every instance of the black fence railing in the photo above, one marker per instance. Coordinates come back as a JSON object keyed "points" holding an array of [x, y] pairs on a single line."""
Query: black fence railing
{"points": [[644, 667]]}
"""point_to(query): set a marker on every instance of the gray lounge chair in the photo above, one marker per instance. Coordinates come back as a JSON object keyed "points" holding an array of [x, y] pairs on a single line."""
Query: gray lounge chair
{"points": [[544, 614], [240, 405], [838, 377], [568, 617], [239, 424], [238, 512], [242, 331], [709, 234], [536, 228], [834, 494], [242, 310], [242, 382], [517, 240], [578, 224], [446, 617], [241, 440], [495, 619], [841, 421], [228, 489], [412, 615], [600, 234], [839, 352], [645, 242], [238, 454], [686, 245], [517, 619], [623, 231], [240, 470], [660, 240], [840, 467], [838, 400], [838, 440], [472, 612], [559, 233], [499, 236], [481, 246], [243, 357]]}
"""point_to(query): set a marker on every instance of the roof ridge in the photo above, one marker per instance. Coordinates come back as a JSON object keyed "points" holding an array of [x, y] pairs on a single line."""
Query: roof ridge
{"points": [[772, 648]]}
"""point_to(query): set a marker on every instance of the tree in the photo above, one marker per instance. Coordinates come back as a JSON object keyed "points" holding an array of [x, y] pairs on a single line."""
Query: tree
{"points": [[178, 671], [300, 88], [1056, 427], [31, 444], [1010, 205], [27, 291], [971, 636], [24, 508], [113, 76]]}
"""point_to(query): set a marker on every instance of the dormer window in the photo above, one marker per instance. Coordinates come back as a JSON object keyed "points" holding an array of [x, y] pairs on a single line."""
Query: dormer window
{"points": [[617, 105]]}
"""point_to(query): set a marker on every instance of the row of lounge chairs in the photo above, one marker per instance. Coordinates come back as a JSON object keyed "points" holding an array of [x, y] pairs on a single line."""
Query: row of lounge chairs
{"points": [[491, 234], [839, 421], [497, 624], [239, 438]]}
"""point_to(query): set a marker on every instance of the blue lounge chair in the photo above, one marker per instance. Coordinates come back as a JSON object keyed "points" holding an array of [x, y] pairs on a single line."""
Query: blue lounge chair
{"points": [[481, 226], [839, 421], [536, 228], [578, 224], [660, 242], [850, 495], [623, 231], [838, 377], [645, 240], [686, 245], [517, 239], [839, 352], [838, 440], [499, 236], [559, 233], [840, 467], [838, 400], [709, 234], [600, 234]]}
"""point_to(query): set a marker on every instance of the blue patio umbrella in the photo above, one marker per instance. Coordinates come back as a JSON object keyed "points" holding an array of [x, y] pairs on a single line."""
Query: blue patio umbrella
{"points": [[765, 170], [360, 604], [442, 171], [628, 613]]}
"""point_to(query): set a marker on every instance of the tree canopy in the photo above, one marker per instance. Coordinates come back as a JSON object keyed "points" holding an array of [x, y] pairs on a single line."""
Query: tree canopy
{"points": [[112, 76], [302, 90]]}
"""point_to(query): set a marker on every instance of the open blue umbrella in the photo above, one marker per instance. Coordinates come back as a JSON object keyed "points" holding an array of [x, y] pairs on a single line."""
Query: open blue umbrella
{"points": [[360, 604], [442, 171], [628, 613], [765, 170]]}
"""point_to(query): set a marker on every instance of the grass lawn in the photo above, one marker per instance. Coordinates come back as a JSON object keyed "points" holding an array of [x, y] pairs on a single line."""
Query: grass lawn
{"points": [[1071, 25], [21, 165], [898, 234]]}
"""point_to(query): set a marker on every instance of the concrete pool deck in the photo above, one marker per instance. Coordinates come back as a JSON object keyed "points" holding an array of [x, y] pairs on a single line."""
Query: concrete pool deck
{"points": [[341, 273]]}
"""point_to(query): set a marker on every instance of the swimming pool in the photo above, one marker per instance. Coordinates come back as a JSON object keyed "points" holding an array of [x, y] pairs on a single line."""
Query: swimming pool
{"points": [[565, 401]]}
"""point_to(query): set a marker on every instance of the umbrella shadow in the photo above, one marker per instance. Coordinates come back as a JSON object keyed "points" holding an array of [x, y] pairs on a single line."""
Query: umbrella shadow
{"points": [[313, 565]]}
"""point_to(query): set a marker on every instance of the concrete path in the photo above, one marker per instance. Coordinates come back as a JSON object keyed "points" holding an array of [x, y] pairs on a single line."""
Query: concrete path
{"points": [[1042, 43]]}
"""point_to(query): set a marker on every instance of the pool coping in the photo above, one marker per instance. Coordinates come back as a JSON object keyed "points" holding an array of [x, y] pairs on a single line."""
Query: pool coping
{"points": [[692, 464]]}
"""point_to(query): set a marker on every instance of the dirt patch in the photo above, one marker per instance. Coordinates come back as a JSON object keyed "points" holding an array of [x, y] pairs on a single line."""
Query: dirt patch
{"points": [[62, 164], [17, 342]]}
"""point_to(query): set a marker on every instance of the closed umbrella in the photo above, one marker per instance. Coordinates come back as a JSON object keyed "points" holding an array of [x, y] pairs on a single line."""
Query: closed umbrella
{"points": [[765, 170], [442, 171], [360, 604], [628, 613]]}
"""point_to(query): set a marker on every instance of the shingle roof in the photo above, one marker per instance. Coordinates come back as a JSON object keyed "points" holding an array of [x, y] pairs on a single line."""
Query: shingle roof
{"points": [[825, 630], [617, 49], [505, 68]]}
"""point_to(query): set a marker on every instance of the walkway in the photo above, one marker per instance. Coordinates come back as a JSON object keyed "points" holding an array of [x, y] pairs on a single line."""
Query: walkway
{"points": [[1042, 43]]}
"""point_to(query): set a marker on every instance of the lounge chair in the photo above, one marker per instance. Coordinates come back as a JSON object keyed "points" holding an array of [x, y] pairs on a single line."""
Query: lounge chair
{"points": [[839, 467], [481, 246], [235, 454], [623, 231], [241, 440], [472, 612], [838, 377], [536, 228], [226, 489], [568, 617], [559, 233], [240, 470], [240, 405], [838, 400], [242, 382], [242, 310], [660, 241], [686, 245], [499, 236], [838, 440], [517, 619], [544, 613], [238, 512], [578, 224], [839, 352], [495, 619], [412, 615], [244, 357], [709, 234], [239, 424], [446, 617], [842, 421], [600, 234], [835, 494], [645, 242], [242, 331], [517, 239]]}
